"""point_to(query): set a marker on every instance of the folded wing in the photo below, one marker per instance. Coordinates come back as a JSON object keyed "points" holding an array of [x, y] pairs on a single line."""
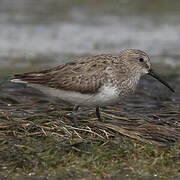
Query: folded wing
{"points": [[85, 76]]}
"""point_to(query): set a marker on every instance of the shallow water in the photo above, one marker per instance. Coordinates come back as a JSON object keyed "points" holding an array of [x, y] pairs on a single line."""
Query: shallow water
{"points": [[36, 34]]}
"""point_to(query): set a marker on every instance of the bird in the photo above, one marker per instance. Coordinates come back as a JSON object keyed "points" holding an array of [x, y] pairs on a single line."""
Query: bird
{"points": [[94, 81]]}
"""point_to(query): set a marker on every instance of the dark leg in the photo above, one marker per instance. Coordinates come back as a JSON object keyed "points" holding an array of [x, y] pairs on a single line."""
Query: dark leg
{"points": [[75, 115], [98, 114]]}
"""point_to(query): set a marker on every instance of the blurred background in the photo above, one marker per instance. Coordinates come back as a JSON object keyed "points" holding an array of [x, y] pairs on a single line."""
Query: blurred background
{"points": [[39, 34], [37, 140]]}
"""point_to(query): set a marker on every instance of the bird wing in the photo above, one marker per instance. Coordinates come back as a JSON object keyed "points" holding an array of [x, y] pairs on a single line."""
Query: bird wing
{"points": [[86, 75]]}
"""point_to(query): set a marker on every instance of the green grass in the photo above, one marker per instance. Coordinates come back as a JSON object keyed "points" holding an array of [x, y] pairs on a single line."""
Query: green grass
{"points": [[48, 145], [122, 157]]}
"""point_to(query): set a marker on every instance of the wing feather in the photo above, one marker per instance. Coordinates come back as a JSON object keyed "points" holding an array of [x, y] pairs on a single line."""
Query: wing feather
{"points": [[86, 75]]}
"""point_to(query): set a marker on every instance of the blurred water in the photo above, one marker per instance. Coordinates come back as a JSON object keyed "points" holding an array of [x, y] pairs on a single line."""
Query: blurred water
{"points": [[60, 30], [43, 33]]}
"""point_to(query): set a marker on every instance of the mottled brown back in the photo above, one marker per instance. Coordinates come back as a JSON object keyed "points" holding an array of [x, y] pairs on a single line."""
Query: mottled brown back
{"points": [[86, 75]]}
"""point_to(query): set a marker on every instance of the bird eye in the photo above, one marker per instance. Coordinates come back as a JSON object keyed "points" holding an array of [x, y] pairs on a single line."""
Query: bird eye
{"points": [[141, 60]]}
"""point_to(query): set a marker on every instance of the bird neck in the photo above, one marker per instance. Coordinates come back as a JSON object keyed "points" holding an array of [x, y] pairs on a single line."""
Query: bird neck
{"points": [[129, 84]]}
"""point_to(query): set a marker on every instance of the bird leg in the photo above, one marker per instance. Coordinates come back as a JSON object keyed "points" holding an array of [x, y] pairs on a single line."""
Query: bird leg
{"points": [[98, 114], [74, 113]]}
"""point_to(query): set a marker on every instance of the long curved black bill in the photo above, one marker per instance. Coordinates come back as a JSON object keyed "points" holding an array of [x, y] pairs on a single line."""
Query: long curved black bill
{"points": [[151, 73]]}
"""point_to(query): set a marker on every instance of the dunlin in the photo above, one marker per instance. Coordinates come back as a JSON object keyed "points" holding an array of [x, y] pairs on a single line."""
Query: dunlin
{"points": [[95, 81]]}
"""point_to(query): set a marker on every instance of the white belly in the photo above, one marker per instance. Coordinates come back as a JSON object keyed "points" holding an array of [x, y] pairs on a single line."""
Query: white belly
{"points": [[107, 95]]}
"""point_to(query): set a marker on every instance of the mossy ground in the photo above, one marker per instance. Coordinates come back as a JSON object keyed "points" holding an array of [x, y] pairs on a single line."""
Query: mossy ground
{"points": [[47, 145], [92, 159], [140, 138]]}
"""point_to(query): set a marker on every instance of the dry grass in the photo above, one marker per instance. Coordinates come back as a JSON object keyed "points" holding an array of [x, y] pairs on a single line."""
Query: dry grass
{"points": [[38, 139], [59, 124]]}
